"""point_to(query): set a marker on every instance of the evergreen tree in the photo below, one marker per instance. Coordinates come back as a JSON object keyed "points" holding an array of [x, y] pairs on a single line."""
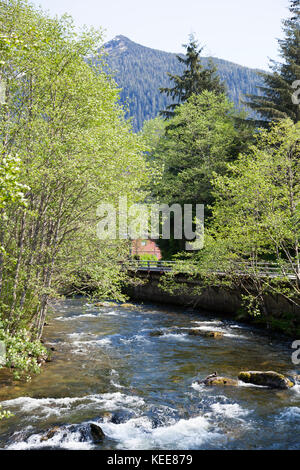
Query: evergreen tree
{"points": [[201, 138], [276, 102], [194, 80], [294, 8]]}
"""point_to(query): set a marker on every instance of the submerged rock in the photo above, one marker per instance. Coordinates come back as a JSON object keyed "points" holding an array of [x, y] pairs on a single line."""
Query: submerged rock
{"points": [[269, 379], [206, 334], [96, 433]]}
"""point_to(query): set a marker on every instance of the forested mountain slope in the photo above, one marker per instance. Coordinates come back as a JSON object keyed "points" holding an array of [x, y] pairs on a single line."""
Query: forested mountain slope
{"points": [[140, 71]]}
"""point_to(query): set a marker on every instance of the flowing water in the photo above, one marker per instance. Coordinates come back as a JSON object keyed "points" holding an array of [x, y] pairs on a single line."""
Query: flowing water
{"points": [[142, 390]]}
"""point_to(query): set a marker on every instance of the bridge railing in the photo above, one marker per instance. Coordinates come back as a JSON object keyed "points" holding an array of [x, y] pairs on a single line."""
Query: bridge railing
{"points": [[152, 265], [261, 268]]}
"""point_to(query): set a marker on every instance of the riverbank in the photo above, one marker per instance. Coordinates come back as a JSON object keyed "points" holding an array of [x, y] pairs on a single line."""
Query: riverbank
{"points": [[283, 315]]}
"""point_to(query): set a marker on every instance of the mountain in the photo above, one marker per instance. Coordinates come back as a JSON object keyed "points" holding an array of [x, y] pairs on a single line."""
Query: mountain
{"points": [[140, 71]]}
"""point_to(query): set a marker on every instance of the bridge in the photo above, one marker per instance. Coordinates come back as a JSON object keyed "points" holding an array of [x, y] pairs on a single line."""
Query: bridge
{"points": [[153, 266], [263, 269]]}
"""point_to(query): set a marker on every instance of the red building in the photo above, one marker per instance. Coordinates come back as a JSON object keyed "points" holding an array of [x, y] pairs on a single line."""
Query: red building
{"points": [[145, 247]]}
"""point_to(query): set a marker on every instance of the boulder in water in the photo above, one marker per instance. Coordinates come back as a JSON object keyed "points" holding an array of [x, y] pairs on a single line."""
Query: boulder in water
{"points": [[51, 433], [206, 334], [106, 304], [215, 380], [19, 436], [156, 333], [127, 305], [122, 416], [213, 334], [269, 379], [195, 333], [96, 433]]}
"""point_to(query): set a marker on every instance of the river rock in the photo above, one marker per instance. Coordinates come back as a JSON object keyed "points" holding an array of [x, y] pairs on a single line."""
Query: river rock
{"points": [[195, 333], [106, 304], [106, 416], [51, 433], [127, 305], [269, 379], [43, 358], [212, 381], [19, 436], [206, 334], [122, 416], [96, 433], [156, 333]]}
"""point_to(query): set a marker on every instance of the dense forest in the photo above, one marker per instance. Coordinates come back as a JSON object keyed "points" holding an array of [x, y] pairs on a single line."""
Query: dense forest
{"points": [[246, 176], [140, 71], [66, 147]]}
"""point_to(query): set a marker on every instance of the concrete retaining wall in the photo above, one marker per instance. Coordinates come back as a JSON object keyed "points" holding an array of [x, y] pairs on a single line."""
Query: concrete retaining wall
{"points": [[221, 300]]}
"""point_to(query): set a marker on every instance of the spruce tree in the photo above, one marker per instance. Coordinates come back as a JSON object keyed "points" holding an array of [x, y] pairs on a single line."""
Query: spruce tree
{"points": [[279, 86], [194, 80]]}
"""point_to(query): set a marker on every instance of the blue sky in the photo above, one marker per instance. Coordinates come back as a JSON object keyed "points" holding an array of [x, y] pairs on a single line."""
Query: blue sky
{"points": [[243, 31]]}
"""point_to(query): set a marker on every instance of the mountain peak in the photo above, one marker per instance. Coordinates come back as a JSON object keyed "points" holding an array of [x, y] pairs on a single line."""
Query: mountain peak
{"points": [[140, 72], [120, 37], [119, 42]]}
